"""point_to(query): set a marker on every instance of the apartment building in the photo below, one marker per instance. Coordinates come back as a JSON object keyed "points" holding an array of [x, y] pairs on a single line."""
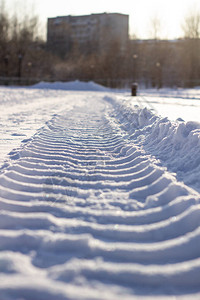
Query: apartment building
{"points": [[90, 33]]}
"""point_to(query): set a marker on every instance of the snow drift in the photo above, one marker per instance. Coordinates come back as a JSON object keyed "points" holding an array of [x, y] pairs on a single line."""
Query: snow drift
{"points": [[175, 144], [71, 86]]}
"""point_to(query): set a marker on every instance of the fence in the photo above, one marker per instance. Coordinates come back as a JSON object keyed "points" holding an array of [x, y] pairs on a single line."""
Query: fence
{"points": [[16, 81]]}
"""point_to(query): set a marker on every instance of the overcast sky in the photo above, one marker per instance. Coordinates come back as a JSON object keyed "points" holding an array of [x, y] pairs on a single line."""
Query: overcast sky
{"points": [[171, 13]]}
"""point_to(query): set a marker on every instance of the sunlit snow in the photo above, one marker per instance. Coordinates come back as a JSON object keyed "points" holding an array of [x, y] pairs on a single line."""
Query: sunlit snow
{"points": [[99, 193]]}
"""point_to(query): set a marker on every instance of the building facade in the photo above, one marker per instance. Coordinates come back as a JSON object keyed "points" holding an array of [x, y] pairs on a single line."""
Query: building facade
{"points": [[90, 33]]}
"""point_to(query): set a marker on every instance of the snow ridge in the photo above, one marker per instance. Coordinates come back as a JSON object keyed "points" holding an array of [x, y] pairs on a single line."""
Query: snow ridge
{"points": [[87, 212], [175, 144]]}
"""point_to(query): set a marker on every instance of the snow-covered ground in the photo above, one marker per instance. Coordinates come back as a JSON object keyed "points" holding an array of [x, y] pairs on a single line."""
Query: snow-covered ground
{"points": [[99, 194]]}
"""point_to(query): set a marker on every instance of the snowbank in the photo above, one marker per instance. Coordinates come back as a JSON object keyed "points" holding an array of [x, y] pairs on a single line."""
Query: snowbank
{"points": [[71, 86], [175, 144]]}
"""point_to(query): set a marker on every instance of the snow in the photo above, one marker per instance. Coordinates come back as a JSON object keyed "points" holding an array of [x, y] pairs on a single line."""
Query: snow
{"points": [[99, 193], [181, 93], [71, 86], [172, 107], [175, 144]]}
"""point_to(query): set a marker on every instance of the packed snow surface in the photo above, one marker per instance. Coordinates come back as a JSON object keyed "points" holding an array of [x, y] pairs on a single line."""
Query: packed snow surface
{"points": [[99, 196]]}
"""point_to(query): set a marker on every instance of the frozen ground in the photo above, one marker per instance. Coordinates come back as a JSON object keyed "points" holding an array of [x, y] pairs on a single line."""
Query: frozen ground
{"points": [[99, 194]]}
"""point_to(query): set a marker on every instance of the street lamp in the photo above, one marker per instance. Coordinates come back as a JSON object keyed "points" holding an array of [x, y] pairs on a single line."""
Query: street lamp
{"points": [[159, 75], [135, 57], [29, 65], [20, 57], [6, 61]]}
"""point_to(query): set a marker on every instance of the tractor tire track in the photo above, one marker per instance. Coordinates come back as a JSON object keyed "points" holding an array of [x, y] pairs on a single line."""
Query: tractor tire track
{"points": [[84, 206]]}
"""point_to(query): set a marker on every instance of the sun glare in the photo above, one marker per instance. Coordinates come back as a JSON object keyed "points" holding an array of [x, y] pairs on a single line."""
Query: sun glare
{"points": [[170, 13]]}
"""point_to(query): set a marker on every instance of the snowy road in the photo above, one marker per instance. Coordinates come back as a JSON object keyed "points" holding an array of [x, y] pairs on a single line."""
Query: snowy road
{"points": [[93, 205]]}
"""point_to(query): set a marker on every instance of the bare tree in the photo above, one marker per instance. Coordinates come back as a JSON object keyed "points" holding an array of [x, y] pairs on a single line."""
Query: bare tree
{"points": [[191, 25], [4, 37], [191, 53], [22, 51], [155, 27]]}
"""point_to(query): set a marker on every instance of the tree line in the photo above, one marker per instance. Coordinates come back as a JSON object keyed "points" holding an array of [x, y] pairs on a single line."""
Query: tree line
{"points": [[22, 52], [24, 57]]}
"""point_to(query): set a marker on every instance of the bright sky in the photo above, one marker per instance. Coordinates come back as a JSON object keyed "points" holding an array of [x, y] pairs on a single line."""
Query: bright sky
{"points": [[171, 13]]}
